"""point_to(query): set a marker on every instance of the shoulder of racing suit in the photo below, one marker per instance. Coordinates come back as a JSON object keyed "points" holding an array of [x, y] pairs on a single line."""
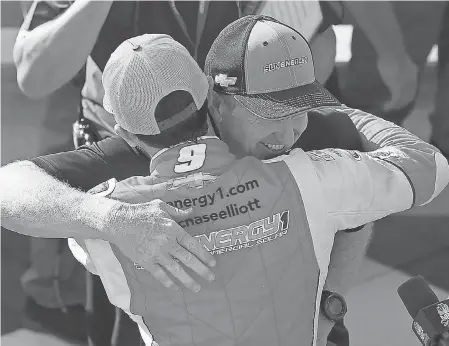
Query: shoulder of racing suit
{"points": [[355, 188], [330, 128]]}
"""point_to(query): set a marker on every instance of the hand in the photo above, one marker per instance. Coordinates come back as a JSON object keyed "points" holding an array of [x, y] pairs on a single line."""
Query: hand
{"points": [[148, 235], [400, 75]]}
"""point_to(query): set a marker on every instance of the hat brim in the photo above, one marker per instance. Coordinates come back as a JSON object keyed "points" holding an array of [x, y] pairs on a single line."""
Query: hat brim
{"points": [[287, 103], [107, 104]]}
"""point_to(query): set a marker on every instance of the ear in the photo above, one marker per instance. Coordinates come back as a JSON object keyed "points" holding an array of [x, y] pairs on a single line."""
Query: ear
{"points": [[117, 129]]}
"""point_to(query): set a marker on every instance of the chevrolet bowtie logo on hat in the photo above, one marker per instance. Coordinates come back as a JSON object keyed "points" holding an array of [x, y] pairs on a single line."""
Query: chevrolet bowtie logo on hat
{"points": [[272, 68], [224, 80]]}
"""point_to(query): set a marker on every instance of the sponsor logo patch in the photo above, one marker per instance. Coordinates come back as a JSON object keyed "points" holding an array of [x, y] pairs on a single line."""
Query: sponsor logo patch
{"points": [[196, 180], [387, 153], [224, 80], [273, 66], [335, 151], [443, 311], [320, 155], [246, 236], [420, 333]]}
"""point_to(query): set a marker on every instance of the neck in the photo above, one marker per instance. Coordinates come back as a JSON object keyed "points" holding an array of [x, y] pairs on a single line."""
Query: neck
{"points": [[150, 150], [211, 128]]}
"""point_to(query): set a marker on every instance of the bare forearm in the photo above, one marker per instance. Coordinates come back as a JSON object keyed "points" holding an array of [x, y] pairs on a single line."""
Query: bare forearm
{"points": [[51, 54], [34, 203], [379, 23], [345, 261], [346, 258]]}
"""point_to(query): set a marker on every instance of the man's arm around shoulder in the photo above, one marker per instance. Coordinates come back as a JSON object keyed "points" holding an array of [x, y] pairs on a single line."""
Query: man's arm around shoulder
{"points": [[423, 164], [36, 204], [357, 188]]}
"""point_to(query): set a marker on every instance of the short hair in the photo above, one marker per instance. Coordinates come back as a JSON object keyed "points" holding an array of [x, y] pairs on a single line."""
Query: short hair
{"points": [[190, 129]]}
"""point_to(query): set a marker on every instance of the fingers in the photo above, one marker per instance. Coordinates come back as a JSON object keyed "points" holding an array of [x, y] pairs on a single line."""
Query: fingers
{"points": [[186, 240], [175, 269], [160, 275], [191, 261], [194, 247], [168, 265], [175, 213]]}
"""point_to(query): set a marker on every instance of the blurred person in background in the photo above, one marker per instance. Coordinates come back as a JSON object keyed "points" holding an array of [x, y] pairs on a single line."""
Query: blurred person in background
{"points": [[378, 22], [56, 40], [439, 118], [54, 283], [423, 24]]}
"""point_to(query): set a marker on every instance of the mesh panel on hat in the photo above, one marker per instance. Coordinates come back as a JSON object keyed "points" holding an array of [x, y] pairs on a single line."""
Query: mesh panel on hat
{"points": [[136, 82], [136, 99]]}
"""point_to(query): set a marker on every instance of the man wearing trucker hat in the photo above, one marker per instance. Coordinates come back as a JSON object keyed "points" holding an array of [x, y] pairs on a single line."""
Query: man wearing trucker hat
{"points": [[237, 69], [268, 71], [260, 295]]}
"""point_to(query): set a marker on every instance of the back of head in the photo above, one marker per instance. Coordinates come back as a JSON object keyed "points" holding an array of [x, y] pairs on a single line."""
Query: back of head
{"points": [[155, 90], [177, 105]]}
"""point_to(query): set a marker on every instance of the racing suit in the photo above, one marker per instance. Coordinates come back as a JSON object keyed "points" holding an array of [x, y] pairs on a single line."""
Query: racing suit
{"points": [[270, 226]]}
